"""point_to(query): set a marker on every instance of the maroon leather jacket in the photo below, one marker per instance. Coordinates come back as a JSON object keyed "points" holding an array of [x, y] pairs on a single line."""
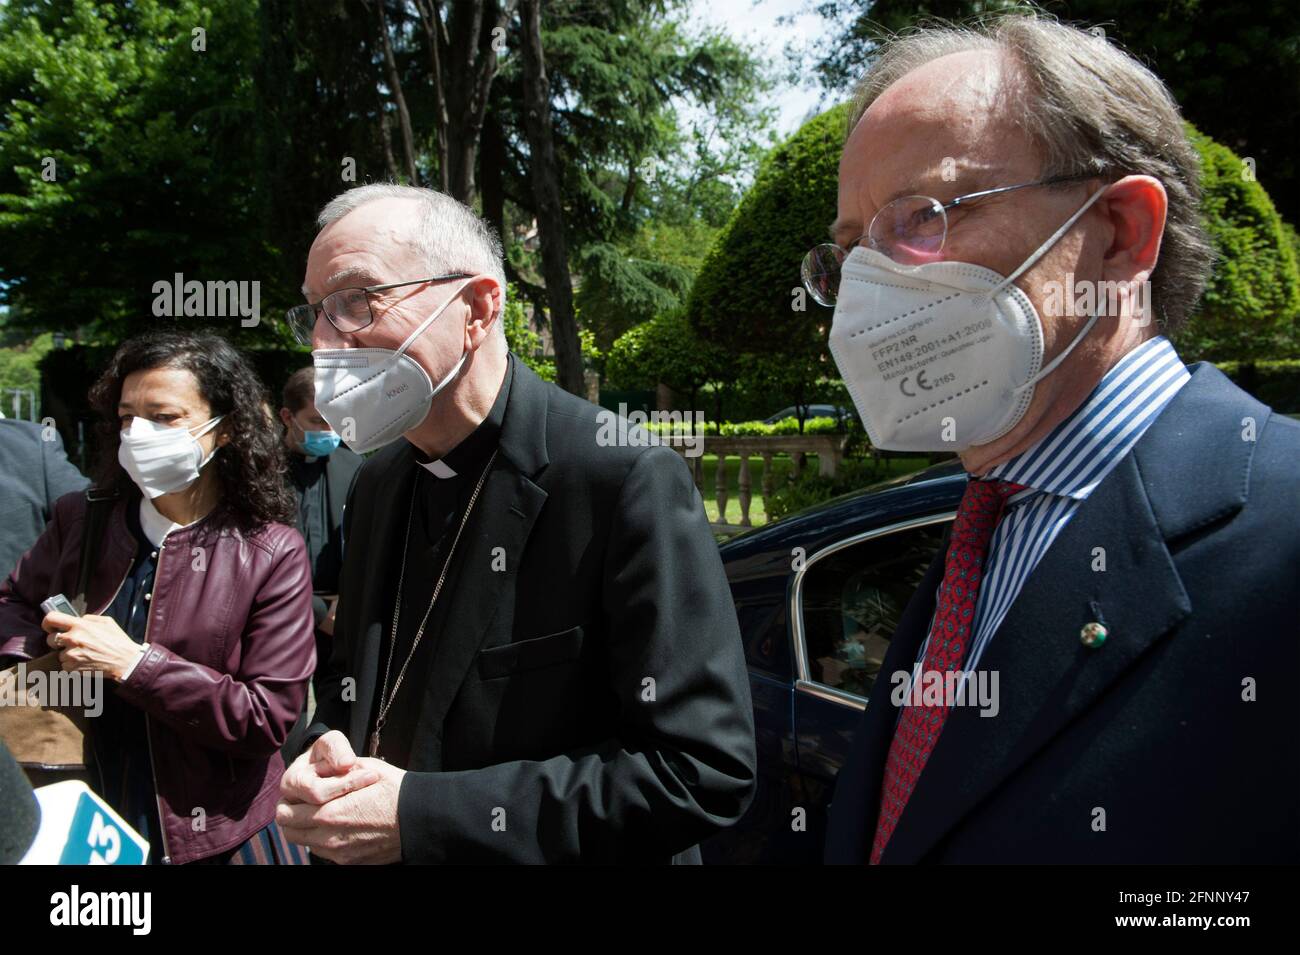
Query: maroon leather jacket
{"points": [[231, 649]]}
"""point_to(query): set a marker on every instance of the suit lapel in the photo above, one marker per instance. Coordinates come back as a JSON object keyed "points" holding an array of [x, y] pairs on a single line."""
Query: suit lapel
{"points": [[1047, 677]]}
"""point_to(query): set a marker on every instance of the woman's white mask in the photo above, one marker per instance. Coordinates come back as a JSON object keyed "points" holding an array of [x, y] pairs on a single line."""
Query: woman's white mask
{"points": [[161, 459]]}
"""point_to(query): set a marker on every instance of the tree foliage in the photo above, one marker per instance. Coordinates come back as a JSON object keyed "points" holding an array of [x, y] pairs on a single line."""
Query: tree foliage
{"points": [[126, 156], [1233, 65], [665, 350], [747, 298]]}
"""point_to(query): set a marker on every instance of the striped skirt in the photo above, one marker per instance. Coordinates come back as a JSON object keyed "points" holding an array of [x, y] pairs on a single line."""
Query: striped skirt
{"points": [[267, 846]]}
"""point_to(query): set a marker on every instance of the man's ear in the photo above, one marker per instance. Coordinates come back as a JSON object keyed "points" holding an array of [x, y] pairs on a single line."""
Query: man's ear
{"points": [[486, 296], [1135, 207]]}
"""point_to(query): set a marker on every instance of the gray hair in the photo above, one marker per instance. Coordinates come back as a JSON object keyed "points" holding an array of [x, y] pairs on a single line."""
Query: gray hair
{"points": [[1091, 108], [448, 235]]}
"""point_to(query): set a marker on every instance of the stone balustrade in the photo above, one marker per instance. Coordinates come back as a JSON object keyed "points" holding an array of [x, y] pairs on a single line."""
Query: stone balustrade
{"points": [[829, 449]]}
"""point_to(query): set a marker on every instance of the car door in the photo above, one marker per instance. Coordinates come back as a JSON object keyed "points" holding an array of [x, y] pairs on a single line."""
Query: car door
{"points": [[845, 604]]}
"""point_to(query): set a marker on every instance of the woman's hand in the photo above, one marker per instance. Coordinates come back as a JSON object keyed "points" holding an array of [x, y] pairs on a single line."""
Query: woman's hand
{"points": [[91, 642]]}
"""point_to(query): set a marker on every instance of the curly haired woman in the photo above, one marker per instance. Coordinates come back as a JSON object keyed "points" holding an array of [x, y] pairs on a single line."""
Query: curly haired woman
{"points": [[201, 600]]}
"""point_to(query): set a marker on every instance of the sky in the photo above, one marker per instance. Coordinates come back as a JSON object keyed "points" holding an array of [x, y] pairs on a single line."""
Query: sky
{"points": [[756, 23]]}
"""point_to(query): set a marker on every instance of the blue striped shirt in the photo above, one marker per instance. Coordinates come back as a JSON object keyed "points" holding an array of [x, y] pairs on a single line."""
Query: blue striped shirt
{"points": [[1061, 470]]}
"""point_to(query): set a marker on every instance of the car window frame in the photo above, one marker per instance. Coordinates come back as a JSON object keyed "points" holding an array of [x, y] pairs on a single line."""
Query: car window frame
{"points": [[802, 669]]}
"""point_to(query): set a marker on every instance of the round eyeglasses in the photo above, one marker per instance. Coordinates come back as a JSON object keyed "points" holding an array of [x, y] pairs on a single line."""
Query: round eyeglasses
{"points": [[911, 230], [348, 309]]}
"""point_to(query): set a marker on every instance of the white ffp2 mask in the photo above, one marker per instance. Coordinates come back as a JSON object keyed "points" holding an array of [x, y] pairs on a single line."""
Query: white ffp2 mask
{"points": [[940, 356], [372, 395]]}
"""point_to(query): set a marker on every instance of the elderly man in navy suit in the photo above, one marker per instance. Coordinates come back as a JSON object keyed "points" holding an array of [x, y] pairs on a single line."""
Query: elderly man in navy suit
{"points": [[1018, 231]]}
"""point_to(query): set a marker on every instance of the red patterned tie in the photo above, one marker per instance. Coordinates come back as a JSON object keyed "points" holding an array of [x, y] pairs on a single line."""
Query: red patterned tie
{"points": [[919, 727]]}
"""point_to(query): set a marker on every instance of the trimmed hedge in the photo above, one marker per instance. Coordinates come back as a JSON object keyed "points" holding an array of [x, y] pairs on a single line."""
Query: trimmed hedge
{"points": [[1252, 302], [812, 488], [748, 429]]}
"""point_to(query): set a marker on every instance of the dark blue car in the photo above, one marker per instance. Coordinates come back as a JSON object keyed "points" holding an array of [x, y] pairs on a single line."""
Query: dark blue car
{"points": [[818, 596]]}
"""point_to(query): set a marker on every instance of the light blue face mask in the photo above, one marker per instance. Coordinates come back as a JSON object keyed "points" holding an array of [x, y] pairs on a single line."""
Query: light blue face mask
{"points": [[318, 444]]}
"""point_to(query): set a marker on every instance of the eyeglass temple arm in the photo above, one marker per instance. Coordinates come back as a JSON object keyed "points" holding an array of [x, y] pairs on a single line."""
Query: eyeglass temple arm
{"points": [[1052, 181]]}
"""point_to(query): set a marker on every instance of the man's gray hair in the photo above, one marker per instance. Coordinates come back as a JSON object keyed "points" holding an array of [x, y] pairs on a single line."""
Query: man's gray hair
{"points": [[1092, 108], [448, 235]]}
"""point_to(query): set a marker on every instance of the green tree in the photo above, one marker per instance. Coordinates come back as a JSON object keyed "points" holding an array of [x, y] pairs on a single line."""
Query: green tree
{"points": [[747, 298], [19, 369], [666, 350], [625, 290], [523, 340], [126, 156], [655, 124], [321, 123]]}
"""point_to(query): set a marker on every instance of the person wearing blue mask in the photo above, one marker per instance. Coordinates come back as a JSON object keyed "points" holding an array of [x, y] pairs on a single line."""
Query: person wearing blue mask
{"points": [[320, 472]]}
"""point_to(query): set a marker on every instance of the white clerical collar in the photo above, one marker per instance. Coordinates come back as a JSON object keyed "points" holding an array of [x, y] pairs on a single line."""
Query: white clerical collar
{"points": [[155, 525], [438, 469]]}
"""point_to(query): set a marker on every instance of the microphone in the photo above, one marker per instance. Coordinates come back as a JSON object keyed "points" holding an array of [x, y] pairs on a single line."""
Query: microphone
{"points": [[20, 818], [61, 824]]}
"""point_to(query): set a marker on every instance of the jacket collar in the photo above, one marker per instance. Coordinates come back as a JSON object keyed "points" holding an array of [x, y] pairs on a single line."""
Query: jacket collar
{"points": [[155, 525], [521, 430], [523, 433], [1195, 466]]}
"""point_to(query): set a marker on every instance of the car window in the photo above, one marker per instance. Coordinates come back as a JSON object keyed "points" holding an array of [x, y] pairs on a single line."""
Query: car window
{"points": [[852, 600]]}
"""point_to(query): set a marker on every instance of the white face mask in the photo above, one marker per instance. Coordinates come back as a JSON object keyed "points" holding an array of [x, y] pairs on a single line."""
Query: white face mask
{"points": [[372, 395], [161, 459], [941, 356]]}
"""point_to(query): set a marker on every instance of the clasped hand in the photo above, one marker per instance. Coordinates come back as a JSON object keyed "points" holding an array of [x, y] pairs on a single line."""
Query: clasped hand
{"points": [[341, 806]]}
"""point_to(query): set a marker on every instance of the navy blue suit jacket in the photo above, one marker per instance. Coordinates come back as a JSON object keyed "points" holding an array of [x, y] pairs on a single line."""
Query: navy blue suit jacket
{"points": [[1149, 748]]}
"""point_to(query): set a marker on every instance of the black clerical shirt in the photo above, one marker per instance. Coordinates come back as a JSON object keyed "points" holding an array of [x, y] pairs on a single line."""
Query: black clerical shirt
{"points": [[439, 505]]}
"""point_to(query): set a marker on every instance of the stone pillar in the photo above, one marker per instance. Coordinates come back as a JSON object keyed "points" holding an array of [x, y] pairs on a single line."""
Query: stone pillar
{"points": [[720, 488], [744, 490]]}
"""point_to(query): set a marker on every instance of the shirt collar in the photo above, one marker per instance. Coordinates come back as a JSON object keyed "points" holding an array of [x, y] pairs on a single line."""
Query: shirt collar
{"points": [[476, 447], [155, 524], [1080, 451]]}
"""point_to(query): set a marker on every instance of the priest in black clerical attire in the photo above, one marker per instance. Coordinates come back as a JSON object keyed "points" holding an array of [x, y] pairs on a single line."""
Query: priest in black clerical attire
{"points": [[536, 654]]}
